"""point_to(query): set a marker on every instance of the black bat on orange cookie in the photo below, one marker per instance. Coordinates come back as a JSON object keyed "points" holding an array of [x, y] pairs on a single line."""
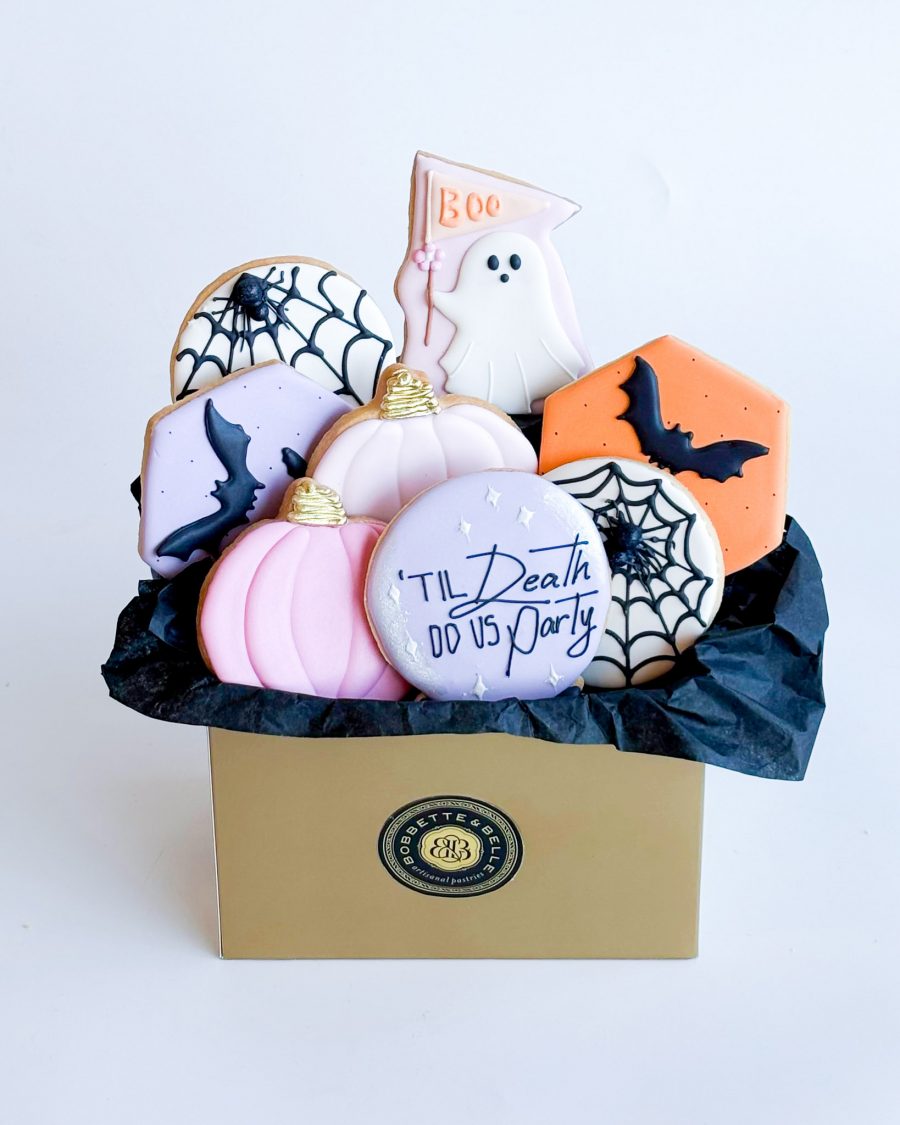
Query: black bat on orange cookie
{"points": [[671, 447]]}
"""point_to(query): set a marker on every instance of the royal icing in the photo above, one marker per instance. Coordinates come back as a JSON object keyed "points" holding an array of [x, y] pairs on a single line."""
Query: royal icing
{"points": [[512, 341], [380, 456], [509, 346], [493, 585], [283, 607], [723, 436], [665, 560], [300, 311], [222, 458]]}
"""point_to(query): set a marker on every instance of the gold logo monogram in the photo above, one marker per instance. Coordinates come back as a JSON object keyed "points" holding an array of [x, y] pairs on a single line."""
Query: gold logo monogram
{"points": [[450, 849], [455, 847]]}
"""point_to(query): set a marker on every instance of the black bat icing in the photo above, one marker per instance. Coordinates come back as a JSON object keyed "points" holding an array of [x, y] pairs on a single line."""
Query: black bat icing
{"points": [[294, 463], [672, 448], [236, 494]]}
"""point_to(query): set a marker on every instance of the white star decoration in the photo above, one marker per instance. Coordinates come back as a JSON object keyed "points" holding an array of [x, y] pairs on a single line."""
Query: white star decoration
{"points": [[394, 594], [492, 496], [525, 516], [464, 527], [480, 686], [554, 677], [412, 648]]}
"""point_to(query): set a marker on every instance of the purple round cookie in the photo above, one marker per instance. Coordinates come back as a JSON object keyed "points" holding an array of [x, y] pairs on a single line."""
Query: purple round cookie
{"points": [[493, 585]]}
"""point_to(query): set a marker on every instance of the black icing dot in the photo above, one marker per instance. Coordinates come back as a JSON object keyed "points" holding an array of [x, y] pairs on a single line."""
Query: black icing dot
{"points": [[249, 294], [515, 261], [504, 277], [493, 262]]}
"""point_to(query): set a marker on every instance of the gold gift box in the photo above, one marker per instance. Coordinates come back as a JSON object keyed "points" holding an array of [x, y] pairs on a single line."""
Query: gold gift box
{"points": [[548, 851]]}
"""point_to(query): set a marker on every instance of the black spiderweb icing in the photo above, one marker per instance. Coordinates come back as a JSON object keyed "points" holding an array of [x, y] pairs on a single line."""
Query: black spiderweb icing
{"points": [[648, 537], [264, 307]]}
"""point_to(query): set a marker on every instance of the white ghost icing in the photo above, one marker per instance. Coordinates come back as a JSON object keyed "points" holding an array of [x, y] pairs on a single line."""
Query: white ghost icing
{"points": [[509, 346]]}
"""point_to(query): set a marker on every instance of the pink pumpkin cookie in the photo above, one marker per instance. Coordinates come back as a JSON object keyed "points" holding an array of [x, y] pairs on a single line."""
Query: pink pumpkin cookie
{"points": [[382, 455], [283, 607]]}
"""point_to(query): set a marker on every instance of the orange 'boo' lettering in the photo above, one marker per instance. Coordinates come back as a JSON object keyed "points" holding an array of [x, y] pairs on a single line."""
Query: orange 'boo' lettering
{"points": [[449, 215]]}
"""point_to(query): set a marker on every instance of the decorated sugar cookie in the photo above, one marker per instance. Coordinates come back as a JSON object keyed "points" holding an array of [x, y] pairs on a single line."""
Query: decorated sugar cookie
{"points": [[222, 458], [489, 312], [666, 564], [380, 456], [300, 311], [283, 607], [723, 436], [493, 585]]}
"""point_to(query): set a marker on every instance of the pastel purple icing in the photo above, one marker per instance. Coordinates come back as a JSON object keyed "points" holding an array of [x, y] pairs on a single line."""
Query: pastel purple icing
{"points": [[493, 585], [278, 407]]}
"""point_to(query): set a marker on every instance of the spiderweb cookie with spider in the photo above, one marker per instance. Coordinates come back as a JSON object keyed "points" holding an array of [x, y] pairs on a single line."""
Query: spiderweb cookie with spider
{"points": [[665, 561], [298, 311]]}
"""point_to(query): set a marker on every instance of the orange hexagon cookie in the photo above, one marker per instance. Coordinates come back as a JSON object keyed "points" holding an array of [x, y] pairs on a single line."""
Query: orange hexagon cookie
{"points": [[723, 436]]}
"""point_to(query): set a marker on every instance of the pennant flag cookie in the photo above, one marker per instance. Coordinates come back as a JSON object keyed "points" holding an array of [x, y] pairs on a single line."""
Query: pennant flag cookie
{"points": [[489, 312]]}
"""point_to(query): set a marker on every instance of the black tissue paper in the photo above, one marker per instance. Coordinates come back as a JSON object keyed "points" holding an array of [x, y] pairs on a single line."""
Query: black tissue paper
{"points": [[748, 696]]}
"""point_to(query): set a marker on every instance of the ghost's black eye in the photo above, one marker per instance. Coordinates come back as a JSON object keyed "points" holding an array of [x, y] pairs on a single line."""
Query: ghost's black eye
{"points": [[493, 262], [515, 261]]}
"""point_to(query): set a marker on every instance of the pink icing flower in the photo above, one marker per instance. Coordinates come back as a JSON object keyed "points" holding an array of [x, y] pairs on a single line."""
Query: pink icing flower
{"points": [[429, 257]]}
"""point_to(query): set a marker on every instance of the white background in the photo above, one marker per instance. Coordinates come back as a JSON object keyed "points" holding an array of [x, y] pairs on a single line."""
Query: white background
{"points": [[738, 167]]}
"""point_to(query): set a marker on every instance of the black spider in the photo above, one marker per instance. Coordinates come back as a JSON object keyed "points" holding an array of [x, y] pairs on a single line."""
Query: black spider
{"points": [[627, 547]]}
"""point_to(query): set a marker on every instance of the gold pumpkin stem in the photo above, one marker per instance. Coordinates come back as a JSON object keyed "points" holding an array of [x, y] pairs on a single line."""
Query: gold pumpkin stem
{"points": [[407, 394], [308, 502]]}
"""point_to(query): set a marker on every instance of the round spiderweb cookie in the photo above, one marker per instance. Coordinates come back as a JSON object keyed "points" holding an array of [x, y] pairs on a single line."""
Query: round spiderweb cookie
{"points": [[300, 311], [665, 560]]}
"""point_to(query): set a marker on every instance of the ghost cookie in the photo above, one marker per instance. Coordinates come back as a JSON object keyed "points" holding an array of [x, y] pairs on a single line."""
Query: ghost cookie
{"points": [[283, 607], [489, 312], [298, 310], [666, 564], [724, 436], [223, 457], [493, 585], [378, 457]]}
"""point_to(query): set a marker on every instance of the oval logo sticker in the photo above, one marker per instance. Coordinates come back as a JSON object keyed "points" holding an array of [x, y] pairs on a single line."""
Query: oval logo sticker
{"points": [[456, 847]]}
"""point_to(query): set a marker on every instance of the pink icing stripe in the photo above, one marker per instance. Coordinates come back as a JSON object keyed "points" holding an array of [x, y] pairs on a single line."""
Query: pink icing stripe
{"points": [[369, 486], [422, 461], [469, 446], [322, 612], [515, 450], [222, 615], [389, 685], [270, 639], [361, 669]]}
